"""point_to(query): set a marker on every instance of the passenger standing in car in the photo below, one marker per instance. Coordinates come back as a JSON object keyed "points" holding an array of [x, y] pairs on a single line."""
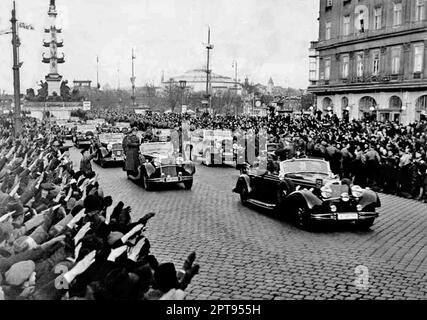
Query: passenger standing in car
{"points": [[131, 145]]}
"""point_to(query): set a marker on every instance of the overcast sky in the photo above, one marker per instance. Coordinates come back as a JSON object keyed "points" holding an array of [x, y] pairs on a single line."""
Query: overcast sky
{"points": [[266, 37]]}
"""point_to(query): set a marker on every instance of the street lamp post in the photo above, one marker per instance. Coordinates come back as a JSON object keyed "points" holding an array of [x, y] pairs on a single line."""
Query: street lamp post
{"points": [[182, 85], [16, 78]]}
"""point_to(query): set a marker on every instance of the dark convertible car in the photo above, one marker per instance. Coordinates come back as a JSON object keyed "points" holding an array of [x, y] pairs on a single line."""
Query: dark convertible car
{"points": [[109, 149], [159, 165], [306, 191]]}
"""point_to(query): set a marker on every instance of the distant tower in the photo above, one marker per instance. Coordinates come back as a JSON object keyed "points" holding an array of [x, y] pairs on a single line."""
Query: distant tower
{"points": [[270, 85], [53, 79]]}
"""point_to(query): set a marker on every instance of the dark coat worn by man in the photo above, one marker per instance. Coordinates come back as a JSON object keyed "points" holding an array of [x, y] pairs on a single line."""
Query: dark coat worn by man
{"points": [[131, 145]]}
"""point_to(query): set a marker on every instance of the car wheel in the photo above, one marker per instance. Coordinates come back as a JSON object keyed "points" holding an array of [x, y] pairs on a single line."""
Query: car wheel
{"points": [[302, 217], [365, 224], [244, 195], [188, 184]]}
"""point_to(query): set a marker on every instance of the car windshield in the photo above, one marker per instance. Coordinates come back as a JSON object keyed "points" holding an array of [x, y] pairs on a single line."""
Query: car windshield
{"points": [[304, 166], [157, 148]]}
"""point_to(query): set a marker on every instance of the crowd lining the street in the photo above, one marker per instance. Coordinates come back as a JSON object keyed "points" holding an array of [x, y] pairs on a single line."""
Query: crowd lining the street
{"points": [[385, 156], [62, 238]]}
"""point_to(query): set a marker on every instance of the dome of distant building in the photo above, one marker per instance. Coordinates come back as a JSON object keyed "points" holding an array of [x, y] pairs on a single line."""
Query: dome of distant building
{"points": [[196, 80]]}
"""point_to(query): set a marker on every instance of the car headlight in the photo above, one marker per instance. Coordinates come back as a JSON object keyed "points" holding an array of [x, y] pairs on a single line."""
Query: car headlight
{"points": [[326, 192], [357, 191], [359, 207], [345, 197], [157, 162], [333, 208]]}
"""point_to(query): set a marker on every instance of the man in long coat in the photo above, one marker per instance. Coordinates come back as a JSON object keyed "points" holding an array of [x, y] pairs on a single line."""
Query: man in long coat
{"points": [[131, 145]]}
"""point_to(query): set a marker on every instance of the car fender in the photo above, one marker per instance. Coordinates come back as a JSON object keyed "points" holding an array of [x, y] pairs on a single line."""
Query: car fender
{"points": [[242, 181], [308, 196], [189, 167], [370, 197], [149, 169]]}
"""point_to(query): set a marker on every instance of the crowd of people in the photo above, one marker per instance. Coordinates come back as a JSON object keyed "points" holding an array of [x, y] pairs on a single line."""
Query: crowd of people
{"points": [[386, 156], [60, 235]]}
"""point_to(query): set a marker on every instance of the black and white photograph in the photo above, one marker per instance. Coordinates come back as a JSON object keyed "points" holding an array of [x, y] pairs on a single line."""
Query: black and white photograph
{"points": [[234, 151]]}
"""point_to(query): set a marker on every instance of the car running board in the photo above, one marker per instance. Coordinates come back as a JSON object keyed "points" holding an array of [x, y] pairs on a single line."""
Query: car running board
{"points": [[261, 204]]}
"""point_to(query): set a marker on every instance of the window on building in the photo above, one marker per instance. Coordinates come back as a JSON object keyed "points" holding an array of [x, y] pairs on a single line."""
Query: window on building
{"points": [[313, 67], [376, 62], [327, 68], [328, 31], [397, 14], [361, 21], [346, 25], [418, 57], [419, 10], [395, 60], [378, 18], [345, 63], [359, 64]]}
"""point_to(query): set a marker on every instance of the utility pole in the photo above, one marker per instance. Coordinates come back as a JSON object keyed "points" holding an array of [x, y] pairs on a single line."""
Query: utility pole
{"points": [[118, 79], [209, 47], [97, 73], [132, 79], [16, 78], [235, 75]]}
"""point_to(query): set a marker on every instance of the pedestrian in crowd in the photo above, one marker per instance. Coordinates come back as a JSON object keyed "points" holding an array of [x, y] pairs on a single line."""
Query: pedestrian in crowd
{"points": [[86, 161]]}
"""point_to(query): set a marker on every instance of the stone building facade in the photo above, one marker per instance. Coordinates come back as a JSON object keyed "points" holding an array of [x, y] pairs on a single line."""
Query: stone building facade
{"points": [[371, 59]]}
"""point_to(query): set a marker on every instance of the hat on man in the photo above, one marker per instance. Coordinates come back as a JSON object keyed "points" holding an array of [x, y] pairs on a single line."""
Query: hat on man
{"points": [[165, 277], [20, 272], [23, 244], [92, 203]]}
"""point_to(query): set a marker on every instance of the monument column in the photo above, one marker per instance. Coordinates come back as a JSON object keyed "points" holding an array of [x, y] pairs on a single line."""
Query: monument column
{"points": [[53, 79]]}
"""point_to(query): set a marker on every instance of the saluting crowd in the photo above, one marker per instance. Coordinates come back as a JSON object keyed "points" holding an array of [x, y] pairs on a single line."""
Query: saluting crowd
{"points": [[385, 156], [61, 237]]}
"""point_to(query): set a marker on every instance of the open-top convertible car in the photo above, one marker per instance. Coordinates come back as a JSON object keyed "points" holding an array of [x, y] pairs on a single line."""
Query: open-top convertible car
{"points": [[109, 149], [306, 191], [159, 165], [84, 135]]}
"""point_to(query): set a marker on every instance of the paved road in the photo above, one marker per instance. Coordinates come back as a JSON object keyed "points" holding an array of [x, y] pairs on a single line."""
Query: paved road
{"points": [[245, 253]]}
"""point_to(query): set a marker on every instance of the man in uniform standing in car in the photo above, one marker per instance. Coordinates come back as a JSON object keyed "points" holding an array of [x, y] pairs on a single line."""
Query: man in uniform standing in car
{"points": [[131, 145]]}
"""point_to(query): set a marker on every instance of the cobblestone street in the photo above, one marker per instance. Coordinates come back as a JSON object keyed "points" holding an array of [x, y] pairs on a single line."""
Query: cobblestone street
{"points": [[245, 253]]}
